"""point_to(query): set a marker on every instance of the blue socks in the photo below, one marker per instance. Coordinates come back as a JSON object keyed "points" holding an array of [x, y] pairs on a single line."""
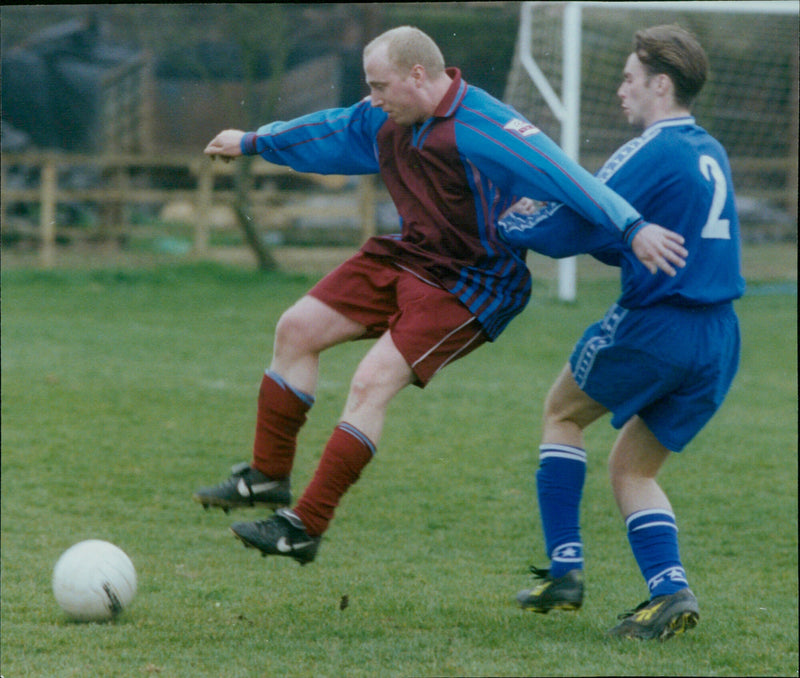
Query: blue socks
{"points": [[652, 533], [559, 485], [653, 536]]}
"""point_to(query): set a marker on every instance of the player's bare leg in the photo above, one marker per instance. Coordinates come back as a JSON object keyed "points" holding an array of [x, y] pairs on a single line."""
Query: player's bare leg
{"points": [[672, 608], [559, 485], [380, 376], [285, 396], [568, 410], [636, 459], [297, 533], [303, 332]]}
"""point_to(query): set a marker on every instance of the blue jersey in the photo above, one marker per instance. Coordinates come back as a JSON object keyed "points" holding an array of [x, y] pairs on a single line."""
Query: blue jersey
{"points": [[451, 177], [678, 176]]}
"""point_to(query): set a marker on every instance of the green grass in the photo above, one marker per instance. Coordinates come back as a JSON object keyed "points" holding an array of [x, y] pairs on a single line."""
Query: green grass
{"points": [[123, 391]]}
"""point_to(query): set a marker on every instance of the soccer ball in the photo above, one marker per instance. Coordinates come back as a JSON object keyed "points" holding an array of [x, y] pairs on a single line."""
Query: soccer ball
{"points": [[94, 580]]}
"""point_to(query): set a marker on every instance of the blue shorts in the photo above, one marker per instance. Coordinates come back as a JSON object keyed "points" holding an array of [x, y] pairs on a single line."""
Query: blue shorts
{"points": [[671, 365]]}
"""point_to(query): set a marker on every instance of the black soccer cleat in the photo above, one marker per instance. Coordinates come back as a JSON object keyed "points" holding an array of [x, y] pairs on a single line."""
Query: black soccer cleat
{"points": [[280, 535], [561, 593], [246, 487], [659, 618]]}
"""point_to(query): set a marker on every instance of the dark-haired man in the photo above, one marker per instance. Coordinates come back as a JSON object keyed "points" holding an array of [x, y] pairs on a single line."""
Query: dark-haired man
{"points": [[663, 357]]}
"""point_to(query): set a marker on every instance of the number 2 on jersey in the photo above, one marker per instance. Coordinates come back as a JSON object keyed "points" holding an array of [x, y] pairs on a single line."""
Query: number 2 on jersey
{"points": [[716, 226]]}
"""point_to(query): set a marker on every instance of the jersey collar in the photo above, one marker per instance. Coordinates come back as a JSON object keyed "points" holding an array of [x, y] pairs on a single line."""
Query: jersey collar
{"points": [[671, 122], [454, 95]]}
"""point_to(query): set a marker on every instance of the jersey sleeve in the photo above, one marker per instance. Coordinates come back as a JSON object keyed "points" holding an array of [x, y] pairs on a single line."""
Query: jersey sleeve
{"points": [[557, 231], [523, 161], [331, 141]]}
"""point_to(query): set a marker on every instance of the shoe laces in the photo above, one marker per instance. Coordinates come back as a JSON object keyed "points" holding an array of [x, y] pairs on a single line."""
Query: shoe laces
{"points": [[630, 613], [539, 573], [238, 471]]}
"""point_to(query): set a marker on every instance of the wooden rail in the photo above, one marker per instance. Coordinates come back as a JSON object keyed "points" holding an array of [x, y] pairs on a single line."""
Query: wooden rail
{"points": [[272, 208], [117, 190]]}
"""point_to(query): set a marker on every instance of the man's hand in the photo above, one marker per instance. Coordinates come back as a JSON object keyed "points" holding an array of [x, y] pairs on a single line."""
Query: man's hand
{"points": [[226, 144], [523, 206], [659, 248]]}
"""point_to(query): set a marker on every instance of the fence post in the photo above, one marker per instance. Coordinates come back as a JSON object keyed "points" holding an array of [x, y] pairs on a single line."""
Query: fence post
{"points": [[114, 226], [2, 193], [791, 175], [366, 195], [47, 213], [205, 189]]}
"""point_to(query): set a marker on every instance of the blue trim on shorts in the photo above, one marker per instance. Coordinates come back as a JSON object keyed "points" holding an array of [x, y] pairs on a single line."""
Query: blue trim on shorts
{"points": [[584, 360]]}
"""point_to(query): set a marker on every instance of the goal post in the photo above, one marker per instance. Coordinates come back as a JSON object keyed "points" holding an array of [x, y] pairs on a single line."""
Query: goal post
{"points": [[568, 62]]}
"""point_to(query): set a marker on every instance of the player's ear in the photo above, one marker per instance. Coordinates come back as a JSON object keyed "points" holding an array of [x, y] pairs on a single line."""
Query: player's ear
{"points": [[418, 74], [664, 84]]}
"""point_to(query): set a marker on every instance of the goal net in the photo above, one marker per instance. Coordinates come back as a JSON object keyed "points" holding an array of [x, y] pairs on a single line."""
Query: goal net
{"points": [[568, 65]]}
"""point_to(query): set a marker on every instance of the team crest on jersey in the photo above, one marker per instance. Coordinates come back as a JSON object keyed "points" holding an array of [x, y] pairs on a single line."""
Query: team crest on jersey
{"points": [[521, 127]]}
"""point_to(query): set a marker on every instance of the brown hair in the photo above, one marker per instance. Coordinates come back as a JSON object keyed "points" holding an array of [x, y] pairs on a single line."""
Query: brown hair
{"points": [[675, 52], [406, 47]]}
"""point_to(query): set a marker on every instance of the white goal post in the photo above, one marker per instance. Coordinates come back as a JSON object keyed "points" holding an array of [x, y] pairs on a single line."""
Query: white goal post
{"points": [[560, 42]]}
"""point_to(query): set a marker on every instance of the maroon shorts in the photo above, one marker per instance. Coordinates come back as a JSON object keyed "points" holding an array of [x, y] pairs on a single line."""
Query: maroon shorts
{"points": [[429, 326]]}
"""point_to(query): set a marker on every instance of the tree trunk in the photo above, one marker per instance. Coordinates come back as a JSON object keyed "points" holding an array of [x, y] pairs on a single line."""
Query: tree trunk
{"points": [[266, 262]]}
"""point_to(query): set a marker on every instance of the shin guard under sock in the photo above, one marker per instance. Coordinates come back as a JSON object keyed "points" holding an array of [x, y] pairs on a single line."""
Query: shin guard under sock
{"points": [[653, 536], [559, 486], [281, 413], [347, 453]]}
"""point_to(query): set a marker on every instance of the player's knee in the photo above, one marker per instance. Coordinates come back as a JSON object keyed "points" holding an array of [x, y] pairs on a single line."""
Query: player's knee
{"points": [[626, 469], [367, 393], [293, 330], [556, 415], [367, 383], [550, 414], [377, 383], [360, 392]]}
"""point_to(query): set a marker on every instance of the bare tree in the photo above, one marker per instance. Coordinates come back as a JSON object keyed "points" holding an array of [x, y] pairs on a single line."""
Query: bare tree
{"points": [[272, 36], [262, 39]]}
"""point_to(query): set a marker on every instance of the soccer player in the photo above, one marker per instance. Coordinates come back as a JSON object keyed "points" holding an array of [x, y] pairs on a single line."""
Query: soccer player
{"points": [[453, 159], [663, 357]]}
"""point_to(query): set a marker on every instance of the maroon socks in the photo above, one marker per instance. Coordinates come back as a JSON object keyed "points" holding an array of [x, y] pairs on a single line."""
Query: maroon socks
{"points": [[281, 413], [347, 453]]}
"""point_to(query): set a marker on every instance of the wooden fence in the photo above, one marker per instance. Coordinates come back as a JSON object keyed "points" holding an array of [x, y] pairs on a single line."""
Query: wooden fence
{"points": [[118, 185], [118, 182]]}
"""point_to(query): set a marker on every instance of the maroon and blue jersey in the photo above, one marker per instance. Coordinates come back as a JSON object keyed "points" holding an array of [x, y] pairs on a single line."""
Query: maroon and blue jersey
{"points": [[450, 178]]}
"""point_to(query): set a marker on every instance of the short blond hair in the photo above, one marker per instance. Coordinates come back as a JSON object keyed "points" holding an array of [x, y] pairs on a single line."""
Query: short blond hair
{"points": [[406, 47]]}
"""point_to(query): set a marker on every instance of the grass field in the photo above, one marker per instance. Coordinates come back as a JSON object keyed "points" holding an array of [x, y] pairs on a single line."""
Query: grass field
{"points": [[125, 390]]}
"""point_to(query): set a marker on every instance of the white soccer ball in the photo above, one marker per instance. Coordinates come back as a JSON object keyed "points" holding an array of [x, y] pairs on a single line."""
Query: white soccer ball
{"points": [[94, 580]]}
